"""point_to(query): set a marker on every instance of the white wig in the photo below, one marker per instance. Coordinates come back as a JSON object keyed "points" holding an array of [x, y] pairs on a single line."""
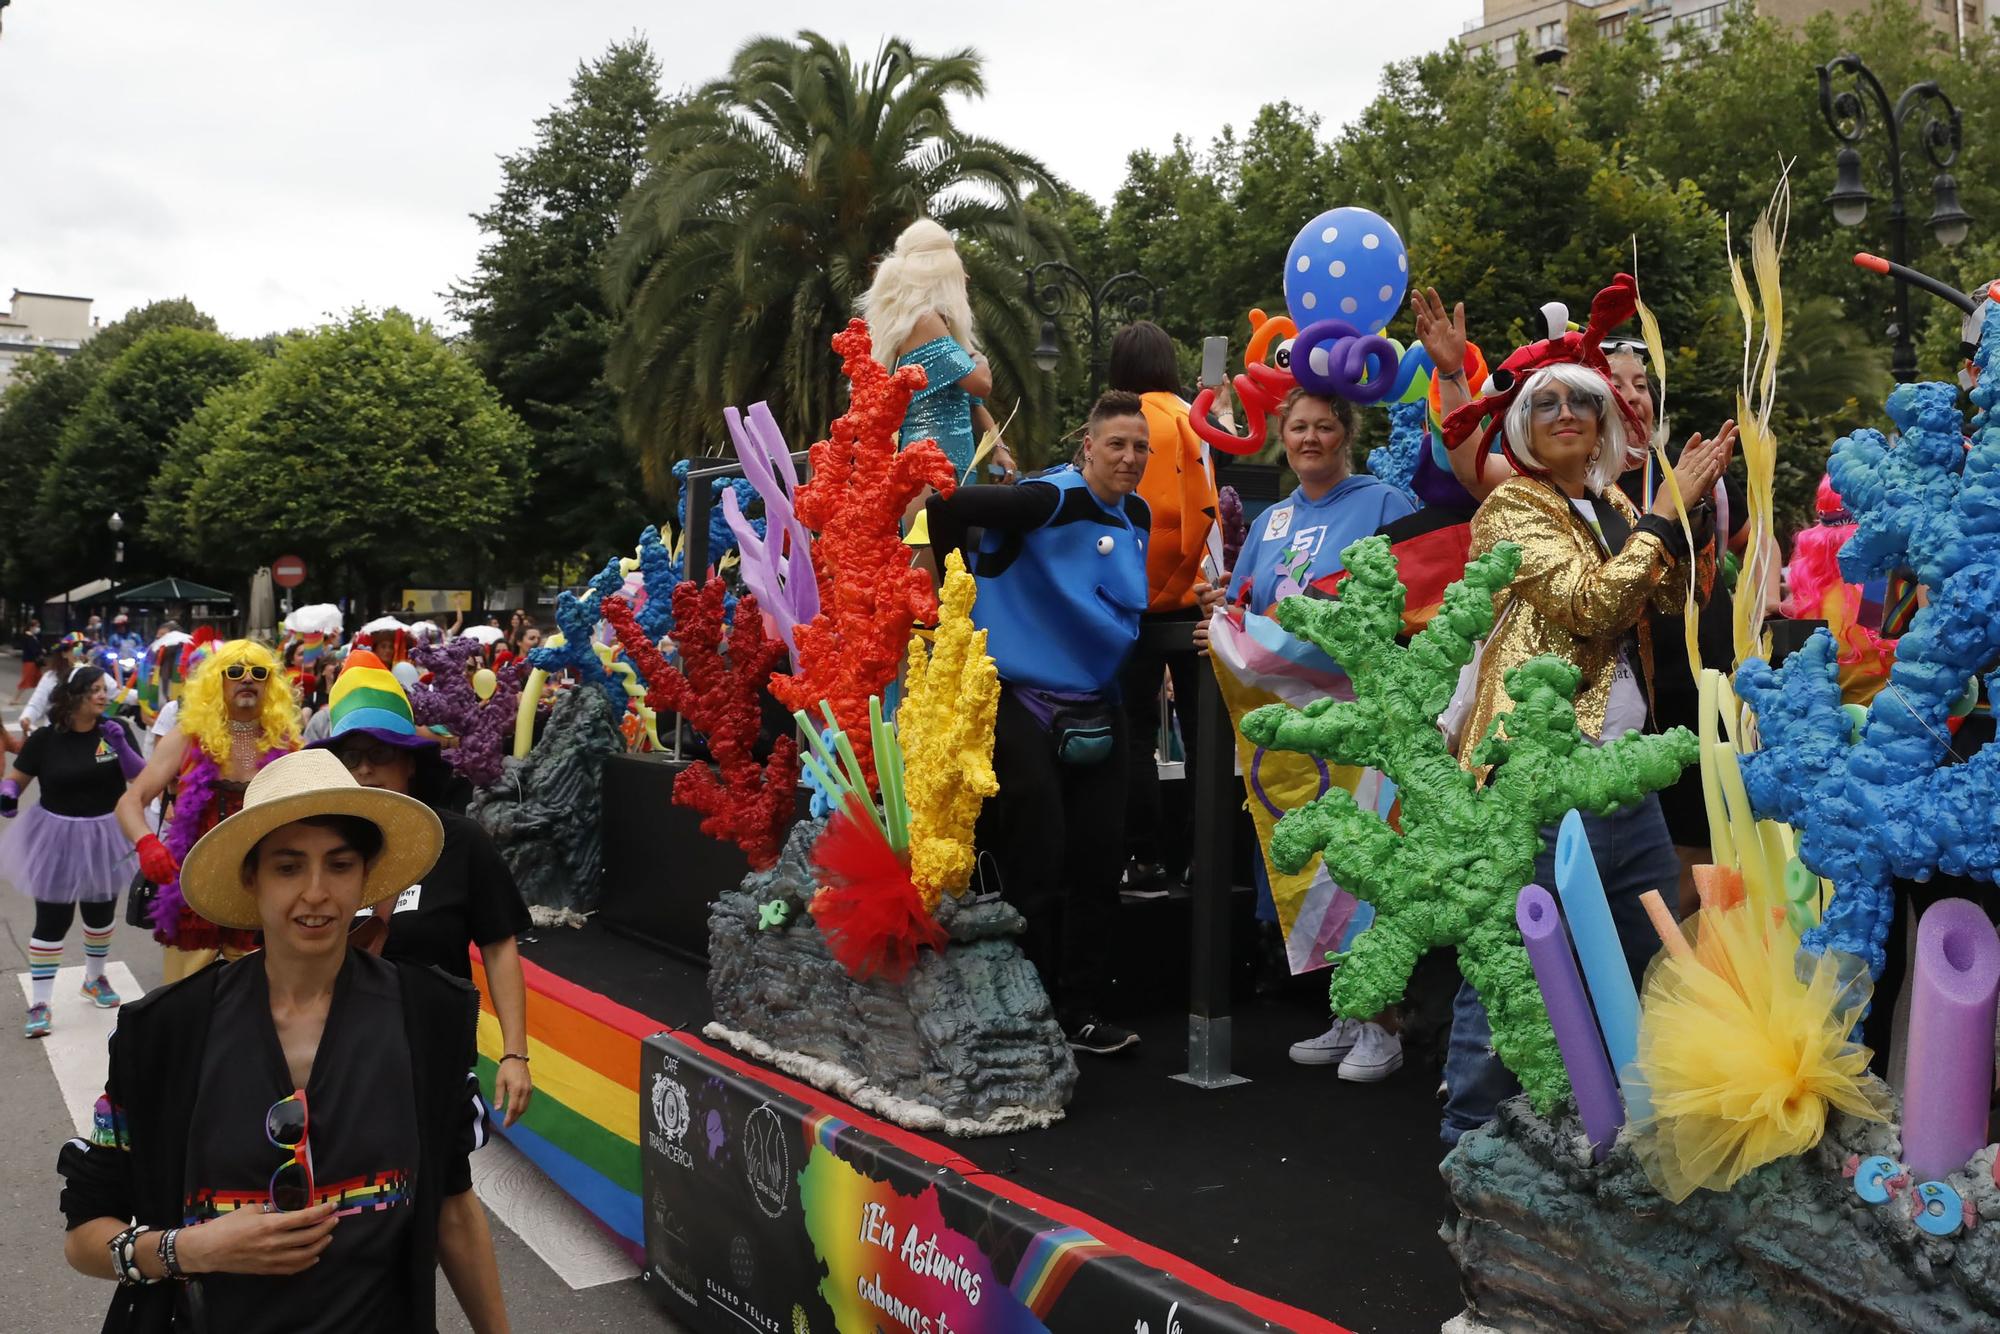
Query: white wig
{"points": [[921, 276], [1582, 383]]}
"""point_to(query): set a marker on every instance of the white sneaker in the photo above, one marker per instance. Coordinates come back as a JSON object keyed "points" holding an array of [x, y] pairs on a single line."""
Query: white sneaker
{"points": [[1377, 1054], [1329, 1047]]}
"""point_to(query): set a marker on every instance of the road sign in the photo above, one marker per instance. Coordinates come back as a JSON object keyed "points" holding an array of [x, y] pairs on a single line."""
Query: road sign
{"points": [[288, 571]]}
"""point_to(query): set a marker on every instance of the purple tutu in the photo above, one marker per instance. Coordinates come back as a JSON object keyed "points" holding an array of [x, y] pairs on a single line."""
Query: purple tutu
{"points": [[67, 858]]}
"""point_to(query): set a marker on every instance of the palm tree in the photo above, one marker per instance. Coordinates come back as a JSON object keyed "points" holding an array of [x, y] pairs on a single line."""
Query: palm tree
{"points": [[769, 197]]}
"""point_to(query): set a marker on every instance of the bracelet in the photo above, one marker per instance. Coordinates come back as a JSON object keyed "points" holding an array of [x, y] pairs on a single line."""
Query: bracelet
{"points": [[169, 1260], [1458, 374], [124, 1257], [513, 1056]]}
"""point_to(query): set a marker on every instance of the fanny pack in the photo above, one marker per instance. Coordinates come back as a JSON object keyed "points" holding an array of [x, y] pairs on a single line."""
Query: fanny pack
{"points": [[1083, 732], [1082, 726]]}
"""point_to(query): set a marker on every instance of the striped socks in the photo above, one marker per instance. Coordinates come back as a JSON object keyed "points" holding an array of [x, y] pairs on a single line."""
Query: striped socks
{"points": [[96, 949], [44, 957]]}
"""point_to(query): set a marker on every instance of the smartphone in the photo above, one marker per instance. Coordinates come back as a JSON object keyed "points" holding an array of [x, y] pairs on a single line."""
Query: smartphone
{"points": [[1214, 362]]}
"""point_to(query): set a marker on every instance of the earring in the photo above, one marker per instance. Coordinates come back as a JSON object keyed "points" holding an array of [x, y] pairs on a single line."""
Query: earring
{"points": [[1597, 454]]}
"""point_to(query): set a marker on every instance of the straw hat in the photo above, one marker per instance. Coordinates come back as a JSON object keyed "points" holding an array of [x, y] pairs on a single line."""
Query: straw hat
{"points": [[293, 787]]}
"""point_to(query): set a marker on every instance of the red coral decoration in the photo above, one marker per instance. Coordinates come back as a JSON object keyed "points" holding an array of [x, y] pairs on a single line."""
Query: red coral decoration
{"points": [[869, 595], [869, 910], [749, 804]]}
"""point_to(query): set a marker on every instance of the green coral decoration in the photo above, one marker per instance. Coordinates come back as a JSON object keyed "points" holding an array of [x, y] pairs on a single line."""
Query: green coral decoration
{"points": [[1452, 875]]}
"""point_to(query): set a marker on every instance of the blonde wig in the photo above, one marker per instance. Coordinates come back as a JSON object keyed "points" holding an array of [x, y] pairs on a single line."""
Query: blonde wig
{"points": [[921, 276], [205, 711]]}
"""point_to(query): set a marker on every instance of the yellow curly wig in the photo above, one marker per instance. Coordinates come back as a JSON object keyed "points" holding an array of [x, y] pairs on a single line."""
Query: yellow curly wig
{"points": [[205, 717]]}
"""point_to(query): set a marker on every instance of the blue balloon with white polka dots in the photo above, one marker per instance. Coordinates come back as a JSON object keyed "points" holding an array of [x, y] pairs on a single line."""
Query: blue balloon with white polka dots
{"points": [[1347, 264]]}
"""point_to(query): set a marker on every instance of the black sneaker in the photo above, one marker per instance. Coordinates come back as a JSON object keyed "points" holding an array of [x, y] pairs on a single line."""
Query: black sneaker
{"points": [[1100, 1038], [1144, 881]]}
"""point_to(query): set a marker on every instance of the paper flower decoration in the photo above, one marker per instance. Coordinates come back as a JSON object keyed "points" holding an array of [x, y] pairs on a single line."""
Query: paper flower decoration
{"points": [[1453, 872]]}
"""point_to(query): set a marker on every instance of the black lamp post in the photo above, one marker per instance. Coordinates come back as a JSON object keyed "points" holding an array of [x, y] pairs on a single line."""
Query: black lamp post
{"points": [[1847, 115], [1055, 289], [116, 523]]}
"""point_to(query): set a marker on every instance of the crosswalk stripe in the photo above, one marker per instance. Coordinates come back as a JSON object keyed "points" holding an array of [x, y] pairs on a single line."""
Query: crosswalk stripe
{"points": [[78, 1034]]}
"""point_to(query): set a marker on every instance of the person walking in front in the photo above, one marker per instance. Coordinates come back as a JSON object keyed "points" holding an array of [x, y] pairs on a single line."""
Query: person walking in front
{"points": [[66, 852], [1061, 565], [283, 1143], [469, 897]]}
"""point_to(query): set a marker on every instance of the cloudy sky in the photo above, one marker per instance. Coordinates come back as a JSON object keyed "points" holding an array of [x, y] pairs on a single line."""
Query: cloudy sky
{"points": [[279, 160]]}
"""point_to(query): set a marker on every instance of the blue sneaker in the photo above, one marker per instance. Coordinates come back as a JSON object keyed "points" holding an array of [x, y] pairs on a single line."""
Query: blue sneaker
{"points": [[100, 991], [38, 1022]]}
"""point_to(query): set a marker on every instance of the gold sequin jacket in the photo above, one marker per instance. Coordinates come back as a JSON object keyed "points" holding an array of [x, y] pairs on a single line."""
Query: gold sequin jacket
{"points": [[1569, 599]]}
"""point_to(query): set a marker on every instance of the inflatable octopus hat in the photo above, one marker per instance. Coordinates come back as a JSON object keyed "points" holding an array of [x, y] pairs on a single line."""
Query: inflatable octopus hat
{"points": [[1613, 306]]}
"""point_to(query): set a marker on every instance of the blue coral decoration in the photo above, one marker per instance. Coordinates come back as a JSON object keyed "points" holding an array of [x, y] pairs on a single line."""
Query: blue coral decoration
{"points": [[1886, 804], [576, 618], [1396, 461]]}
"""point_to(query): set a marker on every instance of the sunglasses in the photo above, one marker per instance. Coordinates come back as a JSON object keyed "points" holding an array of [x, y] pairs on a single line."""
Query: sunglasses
{"points": [[372, 754], [1632, 345], [1548, 407], [285, 1126], [236, 671]]}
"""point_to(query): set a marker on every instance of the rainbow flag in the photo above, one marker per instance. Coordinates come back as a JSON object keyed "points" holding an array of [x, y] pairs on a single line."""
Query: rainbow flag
{"points": [[1257, 663], [582, 1125]]}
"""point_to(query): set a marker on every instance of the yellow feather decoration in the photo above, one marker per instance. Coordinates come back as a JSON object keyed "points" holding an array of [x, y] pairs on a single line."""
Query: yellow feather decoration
{"points": [[951, 695], [1656, 352]]}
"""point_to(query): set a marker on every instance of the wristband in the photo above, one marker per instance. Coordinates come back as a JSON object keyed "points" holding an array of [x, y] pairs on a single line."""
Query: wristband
{"points": [[170, 1259], [124, 1257], [1458, 374], [513, 1056]]}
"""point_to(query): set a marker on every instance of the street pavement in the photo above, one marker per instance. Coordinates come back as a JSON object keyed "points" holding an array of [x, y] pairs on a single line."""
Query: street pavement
{"points": [[558, 1271]]}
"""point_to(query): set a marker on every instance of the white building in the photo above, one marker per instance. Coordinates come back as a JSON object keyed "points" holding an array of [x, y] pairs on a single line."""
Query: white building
{"points": [[37, 320]]}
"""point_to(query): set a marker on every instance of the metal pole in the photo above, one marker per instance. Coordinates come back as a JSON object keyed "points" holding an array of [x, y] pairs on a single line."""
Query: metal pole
{"points": [[1214, 776]]}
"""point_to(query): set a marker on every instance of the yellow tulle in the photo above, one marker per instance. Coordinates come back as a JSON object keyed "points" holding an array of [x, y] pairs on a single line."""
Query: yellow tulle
{"points": [[1739, 1060]]}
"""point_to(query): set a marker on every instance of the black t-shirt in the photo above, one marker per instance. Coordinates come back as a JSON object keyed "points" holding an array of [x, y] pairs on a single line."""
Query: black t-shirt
{"points": [[362, 1143], [31, 648], [469, 898], [79, 772]]}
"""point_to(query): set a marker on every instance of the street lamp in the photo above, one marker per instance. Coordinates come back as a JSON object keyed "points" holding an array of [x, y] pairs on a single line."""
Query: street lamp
{"points": [[116, 523], [1055, 289], [1847, 113]]}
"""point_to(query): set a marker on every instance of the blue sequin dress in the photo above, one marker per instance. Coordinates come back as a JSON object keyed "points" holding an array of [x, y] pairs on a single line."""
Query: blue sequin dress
{"points": [[942, 411]]}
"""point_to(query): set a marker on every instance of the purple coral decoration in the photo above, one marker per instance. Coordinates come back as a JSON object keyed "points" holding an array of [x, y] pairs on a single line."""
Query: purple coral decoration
{"points": [[484, 728], [776, 552], [1884, 804]]}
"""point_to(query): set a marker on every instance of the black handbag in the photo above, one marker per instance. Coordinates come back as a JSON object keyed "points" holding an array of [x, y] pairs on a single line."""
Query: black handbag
{"points": [[139, 898], [139, 902]]}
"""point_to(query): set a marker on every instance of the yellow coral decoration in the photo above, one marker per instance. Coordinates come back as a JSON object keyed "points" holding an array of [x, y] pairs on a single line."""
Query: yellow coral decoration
{"points": [[950, 698], [1739, 1058]]}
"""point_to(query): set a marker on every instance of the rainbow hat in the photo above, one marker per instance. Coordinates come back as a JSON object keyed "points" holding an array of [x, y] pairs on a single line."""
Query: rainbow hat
{"points": [[367, 699]]}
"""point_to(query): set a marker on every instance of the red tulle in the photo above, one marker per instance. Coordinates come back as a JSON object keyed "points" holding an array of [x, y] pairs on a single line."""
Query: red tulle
{"points": [[870, 912]]}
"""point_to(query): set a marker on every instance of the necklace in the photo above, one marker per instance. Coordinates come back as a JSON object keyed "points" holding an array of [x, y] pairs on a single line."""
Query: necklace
{"points": [[243, 747]]}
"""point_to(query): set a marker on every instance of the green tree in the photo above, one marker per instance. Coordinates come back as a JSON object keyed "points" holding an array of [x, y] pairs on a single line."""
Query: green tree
{"points": [[114, 442], [368, 447], [538, 322], [33, 413], [771, 194]]}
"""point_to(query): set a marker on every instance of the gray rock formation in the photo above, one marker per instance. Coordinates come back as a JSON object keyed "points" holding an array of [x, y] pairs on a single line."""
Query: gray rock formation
{"points": [[1547, 1241], [545, 813], [966, 1045]]}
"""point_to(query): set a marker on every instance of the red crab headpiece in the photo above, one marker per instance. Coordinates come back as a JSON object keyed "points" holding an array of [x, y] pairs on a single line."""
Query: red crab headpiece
{"points": [[1613, 306]]}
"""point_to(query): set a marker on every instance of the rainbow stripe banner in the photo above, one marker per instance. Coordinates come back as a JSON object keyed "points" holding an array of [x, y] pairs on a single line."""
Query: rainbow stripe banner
{"points": [[1256, 663], [582, 1125]]}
